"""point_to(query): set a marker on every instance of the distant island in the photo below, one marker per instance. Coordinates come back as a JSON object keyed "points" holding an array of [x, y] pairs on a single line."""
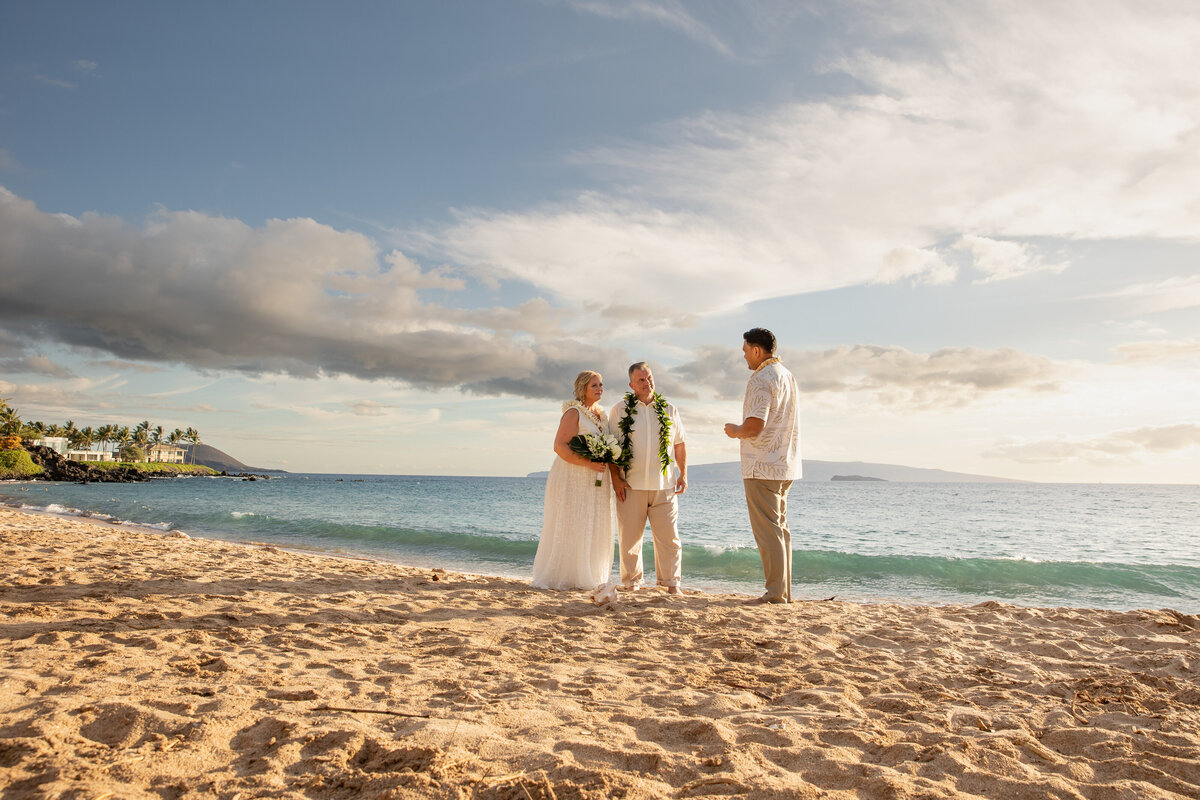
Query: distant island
{"points": [[824, 471]]}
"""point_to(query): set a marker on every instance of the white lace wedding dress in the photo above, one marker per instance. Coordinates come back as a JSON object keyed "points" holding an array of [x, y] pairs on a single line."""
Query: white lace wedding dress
{"points": [[578, 525]]}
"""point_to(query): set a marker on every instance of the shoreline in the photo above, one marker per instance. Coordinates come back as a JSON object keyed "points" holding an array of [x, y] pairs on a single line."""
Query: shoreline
{"points": [[160, 666], [699, 583]]}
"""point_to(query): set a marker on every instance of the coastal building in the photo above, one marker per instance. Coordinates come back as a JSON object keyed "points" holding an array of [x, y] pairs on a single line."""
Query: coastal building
{"points": [[89, 455], [62, 446], [59, 444], [165, 454]]}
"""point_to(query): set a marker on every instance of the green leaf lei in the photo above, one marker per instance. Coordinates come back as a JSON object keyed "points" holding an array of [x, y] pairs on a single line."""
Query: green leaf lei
{"points": [[664, 431]]}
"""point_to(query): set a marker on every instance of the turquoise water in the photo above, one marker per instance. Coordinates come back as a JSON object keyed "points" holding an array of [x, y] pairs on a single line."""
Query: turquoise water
{"points": [[1119, 547]]}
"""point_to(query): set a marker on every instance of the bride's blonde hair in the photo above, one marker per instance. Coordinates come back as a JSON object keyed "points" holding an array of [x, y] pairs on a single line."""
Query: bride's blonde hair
{"points": [[581, 382]]}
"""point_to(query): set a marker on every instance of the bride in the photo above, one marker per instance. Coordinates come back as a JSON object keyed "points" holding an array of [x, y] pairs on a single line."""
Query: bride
{"points": [[579, 520]]}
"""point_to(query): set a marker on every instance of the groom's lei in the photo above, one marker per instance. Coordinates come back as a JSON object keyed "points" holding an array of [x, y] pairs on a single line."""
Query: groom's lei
{"points": [[664, 431]]}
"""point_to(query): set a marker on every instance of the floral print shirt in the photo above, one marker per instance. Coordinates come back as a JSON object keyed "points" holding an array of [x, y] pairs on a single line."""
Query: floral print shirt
{"points": [[772, 396]]}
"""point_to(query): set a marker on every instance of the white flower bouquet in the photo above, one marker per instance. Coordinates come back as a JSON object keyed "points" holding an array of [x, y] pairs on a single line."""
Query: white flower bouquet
{"points": [[601, 448]]}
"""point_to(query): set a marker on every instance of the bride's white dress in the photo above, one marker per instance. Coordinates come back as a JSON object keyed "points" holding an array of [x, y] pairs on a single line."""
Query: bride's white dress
{"points": [[578, 525]]}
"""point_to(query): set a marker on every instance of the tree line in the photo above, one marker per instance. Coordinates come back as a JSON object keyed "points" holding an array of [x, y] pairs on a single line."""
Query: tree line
{"points": [[129, 443]]}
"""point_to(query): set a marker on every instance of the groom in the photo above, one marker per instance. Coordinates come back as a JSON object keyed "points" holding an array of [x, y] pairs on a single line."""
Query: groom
{"points": [[652, 437]]}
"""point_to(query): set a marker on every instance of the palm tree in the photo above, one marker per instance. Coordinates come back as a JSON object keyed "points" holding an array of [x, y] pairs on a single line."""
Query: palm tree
{"points": [[101, 435], [110, 436], [84, 437], [192, 435], [10, 420], [122, 437], [175, 437], [141, 434], [10, 424]]}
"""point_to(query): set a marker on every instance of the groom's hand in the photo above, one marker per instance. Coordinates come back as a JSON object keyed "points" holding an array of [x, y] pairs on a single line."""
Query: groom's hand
{"points": [[620, 485]]}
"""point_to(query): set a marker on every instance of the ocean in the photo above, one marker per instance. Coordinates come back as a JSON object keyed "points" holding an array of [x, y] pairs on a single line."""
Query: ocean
{"points": [[1097, 546]]}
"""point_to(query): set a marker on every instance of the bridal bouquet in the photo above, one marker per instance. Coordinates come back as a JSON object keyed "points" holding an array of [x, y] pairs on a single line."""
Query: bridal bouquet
{"points": [[599, 447]]}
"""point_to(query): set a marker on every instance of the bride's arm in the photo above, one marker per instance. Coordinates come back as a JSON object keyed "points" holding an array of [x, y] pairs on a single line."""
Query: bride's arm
{"points": [[567, 427]]}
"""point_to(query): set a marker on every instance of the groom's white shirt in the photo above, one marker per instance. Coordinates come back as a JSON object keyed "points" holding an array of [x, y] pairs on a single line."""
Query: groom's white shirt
{"points": [[645, 472]]}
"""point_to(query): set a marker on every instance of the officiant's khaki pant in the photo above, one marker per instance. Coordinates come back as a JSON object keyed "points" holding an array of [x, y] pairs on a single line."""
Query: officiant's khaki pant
{"points": [[767, 502], [660, 508]]}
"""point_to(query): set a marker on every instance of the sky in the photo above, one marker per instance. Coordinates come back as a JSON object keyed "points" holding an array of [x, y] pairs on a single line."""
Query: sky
{"points": [[383, 237]]}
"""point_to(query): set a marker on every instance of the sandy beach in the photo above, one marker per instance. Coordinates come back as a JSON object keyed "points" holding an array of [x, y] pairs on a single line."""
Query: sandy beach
{"points": [[137, 664]]}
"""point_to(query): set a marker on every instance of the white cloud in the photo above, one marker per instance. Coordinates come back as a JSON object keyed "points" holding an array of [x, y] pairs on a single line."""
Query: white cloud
{"points": [[945, 378], [1144, 352], [918, 264], [1137, 327], [126, 366], [1127, 446], [985, 123], [669, 13], [1003, 260], [36, 364], [1170, 294], [56, 82], [369, 408], [291, 296]]}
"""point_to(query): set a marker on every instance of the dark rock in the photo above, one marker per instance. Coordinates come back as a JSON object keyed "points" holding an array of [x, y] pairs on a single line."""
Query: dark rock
{"points": [[56, 468]]}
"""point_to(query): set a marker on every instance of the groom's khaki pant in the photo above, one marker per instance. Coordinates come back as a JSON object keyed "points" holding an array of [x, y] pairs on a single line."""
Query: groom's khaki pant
{"points": [[659, 507], [767, 502]]}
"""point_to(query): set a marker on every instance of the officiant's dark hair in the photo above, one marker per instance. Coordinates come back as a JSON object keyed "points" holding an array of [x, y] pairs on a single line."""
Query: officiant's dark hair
{"points": [[761, 337]]}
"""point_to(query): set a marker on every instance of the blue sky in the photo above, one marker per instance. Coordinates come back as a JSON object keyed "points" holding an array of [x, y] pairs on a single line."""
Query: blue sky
{"points": [[384, 237]]}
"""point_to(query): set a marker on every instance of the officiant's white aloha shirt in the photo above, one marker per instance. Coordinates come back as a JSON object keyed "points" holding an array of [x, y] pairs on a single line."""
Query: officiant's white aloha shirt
{"points": [[773, 455]]}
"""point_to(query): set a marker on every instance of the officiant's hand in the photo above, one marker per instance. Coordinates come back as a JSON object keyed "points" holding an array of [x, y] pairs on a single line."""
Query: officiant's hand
{"points": [[681, 484]]}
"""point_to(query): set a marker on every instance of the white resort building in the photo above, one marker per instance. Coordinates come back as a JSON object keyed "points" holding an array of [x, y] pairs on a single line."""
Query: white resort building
{"points": [[89, 455], [62, 446], [159, 453], [165, 453], [59, 444]]}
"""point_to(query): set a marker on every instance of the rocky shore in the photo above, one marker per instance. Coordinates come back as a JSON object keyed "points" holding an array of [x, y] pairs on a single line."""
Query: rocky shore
{"points": [[56, 468]]}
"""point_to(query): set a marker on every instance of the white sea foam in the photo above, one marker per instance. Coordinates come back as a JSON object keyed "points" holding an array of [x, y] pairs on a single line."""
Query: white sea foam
{"points": [[158, 526], [55, 508]]}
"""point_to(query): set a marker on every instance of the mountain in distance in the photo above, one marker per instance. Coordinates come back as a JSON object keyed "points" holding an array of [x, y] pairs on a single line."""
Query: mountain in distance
{"points": [[729, 471], [827, 470], [219, 460], [815, 471]]}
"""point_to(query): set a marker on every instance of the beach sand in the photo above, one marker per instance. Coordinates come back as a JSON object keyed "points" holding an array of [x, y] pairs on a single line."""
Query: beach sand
{"points": [[136, 664]]}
